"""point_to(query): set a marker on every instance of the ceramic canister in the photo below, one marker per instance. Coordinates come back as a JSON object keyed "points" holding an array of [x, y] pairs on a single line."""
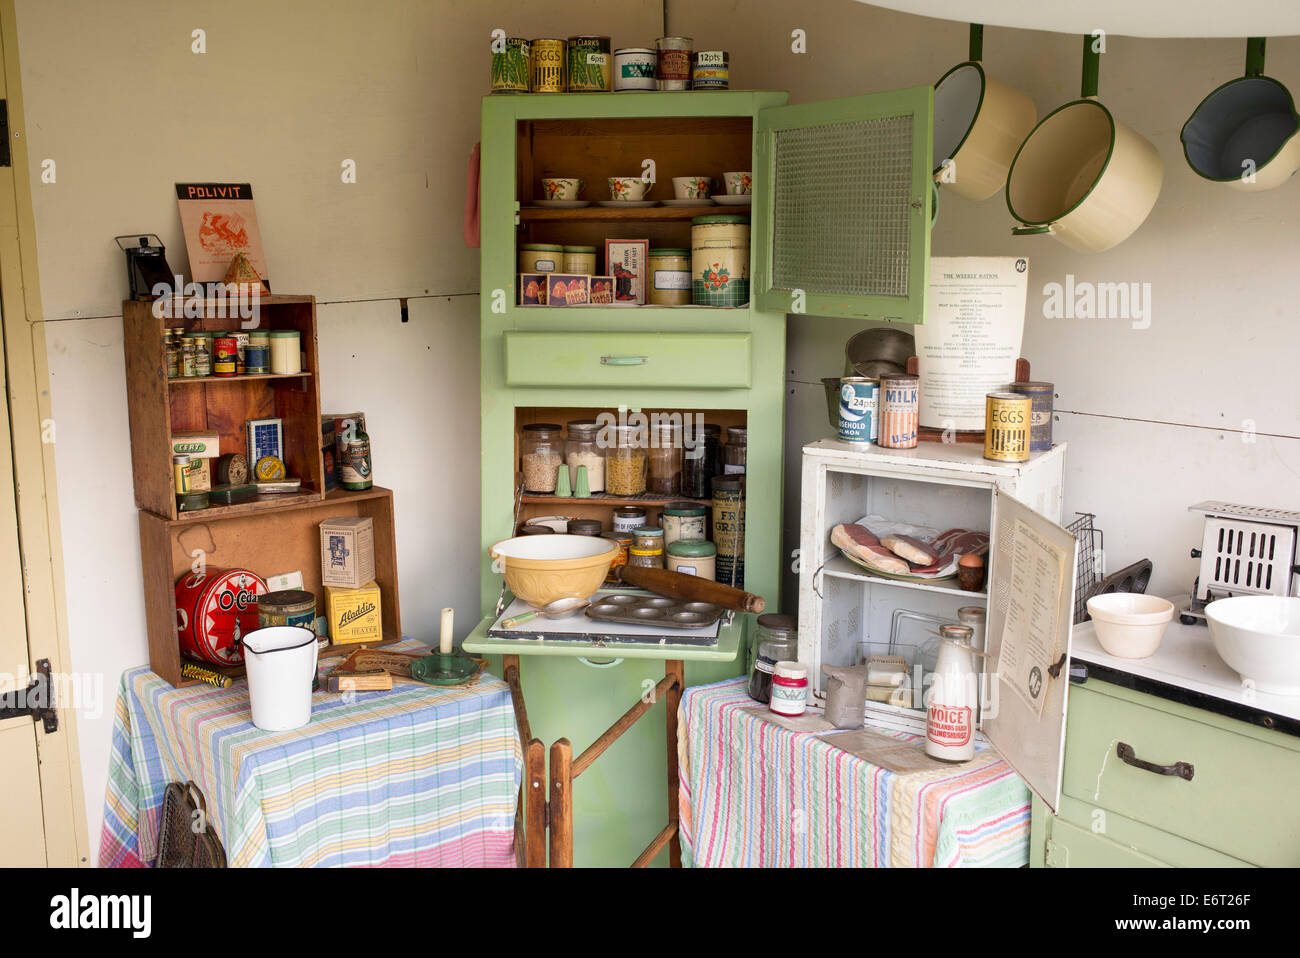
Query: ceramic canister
{"points": [[549, 66], [511, 66], [1006, 426], [634, 68], [1040, 417], [213, 609], [899, 403], [720, 260], [589, 65], [709, 70], [859, 409]]}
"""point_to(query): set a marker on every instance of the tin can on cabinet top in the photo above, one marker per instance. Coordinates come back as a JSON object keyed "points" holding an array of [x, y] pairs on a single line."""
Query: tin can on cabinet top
{"points": [[709, 70], [674, 63], [589, 65], [720, 260], [1040, 417], [1006, 426], [899, 405], [511, 66], [635, 68], [548, 58]]}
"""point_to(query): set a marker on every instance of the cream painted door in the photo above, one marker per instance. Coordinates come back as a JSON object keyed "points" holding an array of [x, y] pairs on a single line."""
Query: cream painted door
{"points": [[22, 825]]}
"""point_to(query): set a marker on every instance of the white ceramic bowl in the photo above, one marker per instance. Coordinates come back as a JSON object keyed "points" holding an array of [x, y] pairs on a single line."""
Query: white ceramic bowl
{"points": [[1259, 637], [1130, 625]]}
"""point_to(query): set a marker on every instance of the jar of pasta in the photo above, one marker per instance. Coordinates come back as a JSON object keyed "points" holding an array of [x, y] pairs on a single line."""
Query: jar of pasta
{"points": [[625, 461]]}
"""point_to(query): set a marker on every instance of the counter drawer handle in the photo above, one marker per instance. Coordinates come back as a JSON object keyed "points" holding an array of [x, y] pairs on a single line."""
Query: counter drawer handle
{"points": [[1183, 770], [624, 360]]}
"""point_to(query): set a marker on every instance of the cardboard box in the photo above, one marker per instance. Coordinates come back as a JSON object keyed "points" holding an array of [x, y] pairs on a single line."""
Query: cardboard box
{"points": [[347, 551], [265, 437], [354, 614], [568, 289], [200, 447], [627, 261], [532, 289], [602, 290]]}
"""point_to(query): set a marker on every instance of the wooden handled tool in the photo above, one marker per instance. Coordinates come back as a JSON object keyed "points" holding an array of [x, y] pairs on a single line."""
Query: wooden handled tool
{"points": [[677, 585]]}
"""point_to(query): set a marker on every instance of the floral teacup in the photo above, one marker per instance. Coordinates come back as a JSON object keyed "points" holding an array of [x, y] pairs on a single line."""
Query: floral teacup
{"points": [[563, 187], [692, 187], [627, 188], [739, 183]]}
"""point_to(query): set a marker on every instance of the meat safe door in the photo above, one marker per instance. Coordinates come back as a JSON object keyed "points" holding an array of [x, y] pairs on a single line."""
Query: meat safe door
{"points": [[842, 211], [1030, 614]]}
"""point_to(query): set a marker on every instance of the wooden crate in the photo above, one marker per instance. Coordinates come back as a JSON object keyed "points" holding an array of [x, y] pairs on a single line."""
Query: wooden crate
{"points": [[159, 406], [272, 540]]}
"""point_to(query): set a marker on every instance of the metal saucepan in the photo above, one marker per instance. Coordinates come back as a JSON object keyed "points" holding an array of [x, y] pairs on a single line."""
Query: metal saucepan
{"points": [[979, 123], [1081, 175], [1244, 133]]}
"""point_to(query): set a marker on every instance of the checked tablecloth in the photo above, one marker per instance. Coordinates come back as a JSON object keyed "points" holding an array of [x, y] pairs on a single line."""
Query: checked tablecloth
{"points": [[756, 794], [415, 776]]}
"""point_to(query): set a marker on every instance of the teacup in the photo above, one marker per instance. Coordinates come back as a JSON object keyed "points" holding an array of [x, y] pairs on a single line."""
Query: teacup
{"points": [[627, 188], [739, 184], [692, 187], [563, 187]]}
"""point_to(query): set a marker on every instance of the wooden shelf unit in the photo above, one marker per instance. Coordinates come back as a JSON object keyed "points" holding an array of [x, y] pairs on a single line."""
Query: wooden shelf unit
{"points": [[534, 214], [268, 542], [158, 407]]}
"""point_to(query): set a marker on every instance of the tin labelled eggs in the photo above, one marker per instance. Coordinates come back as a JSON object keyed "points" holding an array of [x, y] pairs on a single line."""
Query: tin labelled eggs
{"points": [[1007, 417], [859, 397]]}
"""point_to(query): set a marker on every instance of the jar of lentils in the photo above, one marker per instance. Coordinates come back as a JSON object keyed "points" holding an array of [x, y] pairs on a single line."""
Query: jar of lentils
{"points": [[541, 450]]}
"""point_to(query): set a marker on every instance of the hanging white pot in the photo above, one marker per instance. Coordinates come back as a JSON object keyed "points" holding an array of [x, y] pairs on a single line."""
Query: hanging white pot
{"points": [[979, 122], [1081, 175], [1244, 134]]}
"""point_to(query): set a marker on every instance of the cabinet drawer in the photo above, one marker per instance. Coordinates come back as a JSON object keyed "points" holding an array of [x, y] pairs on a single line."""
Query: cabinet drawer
{"points": [[1069, 846], [645, 360], [1241, 795]]}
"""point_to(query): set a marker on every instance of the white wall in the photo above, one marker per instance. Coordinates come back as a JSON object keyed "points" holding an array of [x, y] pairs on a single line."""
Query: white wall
{"points": [[1157, 419], [285, 92]]}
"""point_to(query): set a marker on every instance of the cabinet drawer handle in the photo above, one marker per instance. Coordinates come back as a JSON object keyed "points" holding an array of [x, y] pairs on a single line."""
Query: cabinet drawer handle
{"points": [[624, 360], [1183, 770]]}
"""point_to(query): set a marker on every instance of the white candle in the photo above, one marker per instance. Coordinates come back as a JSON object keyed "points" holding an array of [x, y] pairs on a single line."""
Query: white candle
{"points": [[444, 644]]}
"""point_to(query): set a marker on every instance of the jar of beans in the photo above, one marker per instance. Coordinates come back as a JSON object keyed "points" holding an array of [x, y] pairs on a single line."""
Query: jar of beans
{"points": [[541, 450]]}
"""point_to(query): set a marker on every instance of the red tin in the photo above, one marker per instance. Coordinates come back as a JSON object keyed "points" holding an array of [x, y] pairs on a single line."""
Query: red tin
{"points": [[214, 610]]}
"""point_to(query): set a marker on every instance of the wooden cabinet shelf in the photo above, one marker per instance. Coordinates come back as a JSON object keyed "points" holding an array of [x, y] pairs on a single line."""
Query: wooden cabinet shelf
{"points": [[534, 214], [246, 378], [605, 499]]}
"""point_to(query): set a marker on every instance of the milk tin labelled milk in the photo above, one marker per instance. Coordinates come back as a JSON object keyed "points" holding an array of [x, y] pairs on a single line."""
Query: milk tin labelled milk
{"points": [[899, 411], [859, 418]]}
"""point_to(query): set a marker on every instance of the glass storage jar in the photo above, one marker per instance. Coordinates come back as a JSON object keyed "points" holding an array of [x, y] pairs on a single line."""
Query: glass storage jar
{"points": [[541, 451], [581, 450], [647, 548], [625, 461], [702, 462], [734, 453], [665, 460], [776, 639]]}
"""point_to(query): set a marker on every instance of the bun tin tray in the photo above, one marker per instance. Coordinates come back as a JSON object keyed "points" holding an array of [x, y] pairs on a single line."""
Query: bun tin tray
{"points": [[654, 610]]}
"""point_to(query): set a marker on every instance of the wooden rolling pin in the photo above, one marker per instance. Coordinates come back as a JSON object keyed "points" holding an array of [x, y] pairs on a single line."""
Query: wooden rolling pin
{"points": [[678, 585]]}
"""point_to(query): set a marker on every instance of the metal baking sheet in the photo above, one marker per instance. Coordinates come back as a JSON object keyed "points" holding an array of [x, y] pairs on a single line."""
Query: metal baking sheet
{"points": [[580, 628]]}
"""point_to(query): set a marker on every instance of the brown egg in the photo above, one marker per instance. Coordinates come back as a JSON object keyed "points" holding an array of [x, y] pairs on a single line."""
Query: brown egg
{"points": [[971, 561]]}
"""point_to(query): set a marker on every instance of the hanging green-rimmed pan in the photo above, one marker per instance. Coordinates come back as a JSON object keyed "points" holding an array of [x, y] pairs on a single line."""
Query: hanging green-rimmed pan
{"points": [[1244, 134], [979, 122], [1081, 175]]}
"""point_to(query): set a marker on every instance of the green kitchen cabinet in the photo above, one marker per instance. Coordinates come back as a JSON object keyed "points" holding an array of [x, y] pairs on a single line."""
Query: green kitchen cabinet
{"points": [[557, 363], [1237, 807]]}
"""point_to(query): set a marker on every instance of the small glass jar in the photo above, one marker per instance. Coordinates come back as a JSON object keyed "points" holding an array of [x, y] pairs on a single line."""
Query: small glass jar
{"points": [[581, 450], [172, 350], [645, 559], [734, 453], [624, 541], [585, 527], [776, 639], [625, 461], [670, 276], [665, 460], [541, 450], [286, 352], [580, 260], [683, 522], [648, 537], [628, 518], [691, 557], [702, 462], [202, 353]]}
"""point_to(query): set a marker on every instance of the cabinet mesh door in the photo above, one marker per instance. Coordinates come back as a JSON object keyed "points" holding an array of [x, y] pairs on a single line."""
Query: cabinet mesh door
{"points": [[842, 215]]}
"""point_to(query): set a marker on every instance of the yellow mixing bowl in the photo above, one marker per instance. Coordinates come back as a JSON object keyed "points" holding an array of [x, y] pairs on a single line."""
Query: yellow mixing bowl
{"points": [[542, 569]]}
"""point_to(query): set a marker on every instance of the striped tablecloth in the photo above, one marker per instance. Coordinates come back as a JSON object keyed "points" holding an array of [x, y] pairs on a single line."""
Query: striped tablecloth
{"points": [[756, 794], [416, 776]]}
